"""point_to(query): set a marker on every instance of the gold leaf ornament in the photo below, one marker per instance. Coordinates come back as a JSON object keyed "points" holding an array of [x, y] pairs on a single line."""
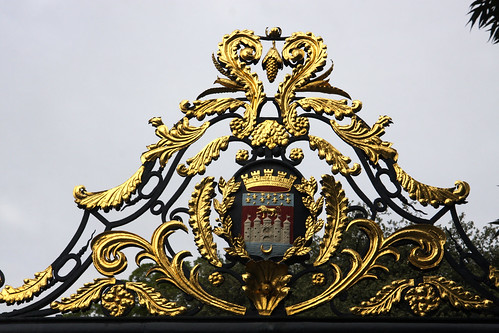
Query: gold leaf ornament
{"points": [[84, 296], [28, 290], [337, 220], [117, 300], [269, 133], [153, 301], [199, 212], [339, 163], [198, 163]]}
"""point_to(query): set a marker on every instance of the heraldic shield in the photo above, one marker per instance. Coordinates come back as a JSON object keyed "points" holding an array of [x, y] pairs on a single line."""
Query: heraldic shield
{"points": [[268, 209]]}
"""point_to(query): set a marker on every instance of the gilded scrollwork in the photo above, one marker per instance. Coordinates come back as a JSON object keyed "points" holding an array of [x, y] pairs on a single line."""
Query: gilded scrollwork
{"points": [[234, 65], [109, 260], [339, 109], [153, 301], [28, 290], [339, 163], [201, 109], [434, 196]]}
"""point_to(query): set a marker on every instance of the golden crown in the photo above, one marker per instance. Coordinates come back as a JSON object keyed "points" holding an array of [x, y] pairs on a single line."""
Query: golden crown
{"points": [[268, 179]]}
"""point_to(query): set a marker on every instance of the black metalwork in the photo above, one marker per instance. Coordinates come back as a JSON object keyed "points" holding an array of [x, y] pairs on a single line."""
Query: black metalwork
{"points": [[164, 202]]}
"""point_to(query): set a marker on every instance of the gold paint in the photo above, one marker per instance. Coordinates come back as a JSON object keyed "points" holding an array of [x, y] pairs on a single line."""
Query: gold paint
{"points": [[198, 163], [269, 133], [272, 63], [339, 109], [235, 67], [153, 301], [303, 69], [216, 279], [236, 244], [109, 260], [457, 296], [333, 157], [201, 109], [28, 290], [337, 220], [266, 284], [360, 135], [268, 251], [268, 179], [427, 255], [199, 212], [242, 155], [84, 297], [422, 299], [112, 198], [384, 299], [117, 300], [296, 154], [318, 279], [434, 196]]}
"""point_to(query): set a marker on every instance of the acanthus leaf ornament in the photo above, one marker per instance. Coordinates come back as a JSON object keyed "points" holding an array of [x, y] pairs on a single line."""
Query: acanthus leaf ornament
{"points": [[268, 212]]}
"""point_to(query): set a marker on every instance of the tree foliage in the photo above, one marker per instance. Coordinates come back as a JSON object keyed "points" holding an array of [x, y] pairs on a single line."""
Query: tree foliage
{"points": [[485, 13]]}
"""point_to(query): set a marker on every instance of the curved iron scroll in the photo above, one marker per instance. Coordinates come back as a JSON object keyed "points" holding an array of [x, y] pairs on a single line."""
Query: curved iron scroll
{"points": [[269, 216]]}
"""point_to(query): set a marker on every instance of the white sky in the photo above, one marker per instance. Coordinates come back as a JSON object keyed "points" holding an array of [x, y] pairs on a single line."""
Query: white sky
{"points": [[80, 79]]}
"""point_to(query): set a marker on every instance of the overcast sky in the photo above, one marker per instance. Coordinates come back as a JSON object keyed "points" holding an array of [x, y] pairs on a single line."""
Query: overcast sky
{"points": [[80, 79]]}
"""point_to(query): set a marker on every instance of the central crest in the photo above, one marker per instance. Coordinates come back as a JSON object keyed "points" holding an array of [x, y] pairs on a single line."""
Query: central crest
{"points": [[268, 208]]}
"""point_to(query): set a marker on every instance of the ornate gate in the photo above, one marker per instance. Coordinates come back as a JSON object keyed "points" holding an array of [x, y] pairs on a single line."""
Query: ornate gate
{"points": [[284, 253]]}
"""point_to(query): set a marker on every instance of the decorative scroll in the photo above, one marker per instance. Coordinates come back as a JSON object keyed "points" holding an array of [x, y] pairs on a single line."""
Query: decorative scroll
{"points": [[199, 211], [153, 301], [339, 109], [201, 109], [235, 67], [336, 209], [434, 196], [333, 157], [109, 260], [198, 163], [28, 290]]}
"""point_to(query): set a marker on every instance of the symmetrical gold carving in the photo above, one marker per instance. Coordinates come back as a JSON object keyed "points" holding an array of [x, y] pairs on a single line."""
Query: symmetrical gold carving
{"points": [[199, 211], [434, 196], [28, 290], [423, 298], [338, 162], [336, 209], [198, 163], [266, 284]]}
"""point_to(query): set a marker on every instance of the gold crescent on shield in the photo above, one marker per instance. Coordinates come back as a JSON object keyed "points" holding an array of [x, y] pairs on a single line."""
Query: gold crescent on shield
{"points": [[268, 251]]}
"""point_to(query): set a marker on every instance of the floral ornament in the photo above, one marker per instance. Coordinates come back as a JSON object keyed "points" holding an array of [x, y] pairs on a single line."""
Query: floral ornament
{"points": [[423, 299], [216, 279], [117, 300], [296, 154], [242, 155], [319, 279]]}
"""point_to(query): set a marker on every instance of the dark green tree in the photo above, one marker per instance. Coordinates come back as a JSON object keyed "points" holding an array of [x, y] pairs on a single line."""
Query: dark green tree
{"points": [[485, 13]]}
